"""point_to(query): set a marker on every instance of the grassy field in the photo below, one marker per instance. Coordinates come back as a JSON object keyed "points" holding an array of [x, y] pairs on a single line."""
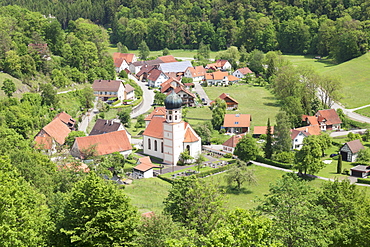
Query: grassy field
{"points": [[257, 101], [354, 74], [364, 111], [21, 88]]}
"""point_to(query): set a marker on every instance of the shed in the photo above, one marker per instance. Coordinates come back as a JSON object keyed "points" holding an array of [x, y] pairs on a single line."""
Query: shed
{"points": [[360, 171], [144, 169], [349, 150]]}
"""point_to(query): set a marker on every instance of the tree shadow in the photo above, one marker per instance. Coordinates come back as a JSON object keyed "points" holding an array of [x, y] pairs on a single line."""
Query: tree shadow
{"points": [[235, 191], [272, 104]]}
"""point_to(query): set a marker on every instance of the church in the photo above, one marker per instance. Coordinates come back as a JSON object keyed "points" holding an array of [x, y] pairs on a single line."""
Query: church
{"points": [[166, 137]]}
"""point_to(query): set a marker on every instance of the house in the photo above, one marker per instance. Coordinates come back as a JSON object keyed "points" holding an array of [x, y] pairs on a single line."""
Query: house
{"points": [[144, 72], [231, 103], [167, 59], [220, 64], [188, 98], [136, 66], [197, 73], [156, 78], [129, 92], [349, 150], [96, 145], [217, 78], [105, 89], [242, 72], [177, 67], [297, 137], [103, 126], [67, 120], [170, 84], [328, 119], [167, 137], [144, 169], [123, 60], [157, 112], [53, 134], [237, 123], [261, 130], [232, 79], [229, 145], [360, 171]]}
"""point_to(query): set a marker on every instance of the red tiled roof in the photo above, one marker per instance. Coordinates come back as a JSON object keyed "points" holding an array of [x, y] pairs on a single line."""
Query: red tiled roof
{"points": [[237, 120], [218, 75], [245, 70], [225, 96], [218, 64], [311, 130], [145, 69], [129, 88], [259, 130], [232, 141], [190, 135], [107, 143], [158, 111], [330, 115], [145, 164], [76, 166], [65, 118], [355, 146], [106, 85], [129, 57], [168, 59], [295, 133], [179, 89], [43, 142], [232, 78], [154, 74], [57, 130], [155, 128], [197, 71]]}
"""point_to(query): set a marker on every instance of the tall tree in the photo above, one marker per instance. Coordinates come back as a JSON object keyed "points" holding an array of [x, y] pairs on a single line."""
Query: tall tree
{"points": [[339, 165], [268, 145], [308, 158], [218, 113], [246, 149], [49, 95], [282, 132], [143, 50], [240, 175], [98, 213], [8, 87], [124, 117]]}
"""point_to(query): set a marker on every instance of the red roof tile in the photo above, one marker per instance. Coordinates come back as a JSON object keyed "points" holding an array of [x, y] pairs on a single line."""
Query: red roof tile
{"points": [[245, 70], [190, 135], [259, 130], [232, 141], [355, 146], [129, 88], [43, 142], [311, 130], [106, 85], [218, 75], [129, 57], [227, 97], [155, 128], [197, 71], [65, 118], [57, 130], [168, 59], [107, 143], [237, 120], [330, 116], [154, 74], [158, 111]]}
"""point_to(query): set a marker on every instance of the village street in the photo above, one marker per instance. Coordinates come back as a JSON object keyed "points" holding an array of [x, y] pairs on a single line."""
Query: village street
{"points": [[202, 94], [148, 98]]}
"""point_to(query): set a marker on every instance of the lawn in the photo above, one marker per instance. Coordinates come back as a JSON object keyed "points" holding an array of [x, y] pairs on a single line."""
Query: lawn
{"points": [[364, 111], [148, 194], [257, 101], [354, 75], [18, 85], [249, 195]]}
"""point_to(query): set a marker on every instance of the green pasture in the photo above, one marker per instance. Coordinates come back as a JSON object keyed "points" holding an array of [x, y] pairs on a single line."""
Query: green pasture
{"points": [[364, 111], [257, 101], [18, 84]]}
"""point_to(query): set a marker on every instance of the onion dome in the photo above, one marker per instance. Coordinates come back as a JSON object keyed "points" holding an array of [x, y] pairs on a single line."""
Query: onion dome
{"points": [[173, 101]]}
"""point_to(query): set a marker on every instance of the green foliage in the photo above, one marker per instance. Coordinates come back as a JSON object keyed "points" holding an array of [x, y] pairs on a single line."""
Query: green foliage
{"points": [[186, 80], [8, 87], [195, 204], [49, 95], [218, 113], [308, 158], [339, 165], [352, 136], [256, 59], [363, 155], [70, 139], [247, 149], [124, 117], [204, 130], [240, 174], [284, 157], [273, 162], [185, 157], [268, 146], [98, 213], [123, 74], [159, 98], [143, 50], [165, 52], [282, 132]]}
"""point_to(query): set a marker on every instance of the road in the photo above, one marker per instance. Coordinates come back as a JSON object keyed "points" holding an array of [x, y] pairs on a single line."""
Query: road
{"points": [[87, 118], [148, 98], [202, 94], [345, 133]]}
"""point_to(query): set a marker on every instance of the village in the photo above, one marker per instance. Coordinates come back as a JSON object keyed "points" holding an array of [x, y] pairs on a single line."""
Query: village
{"points": [[167, 143]]}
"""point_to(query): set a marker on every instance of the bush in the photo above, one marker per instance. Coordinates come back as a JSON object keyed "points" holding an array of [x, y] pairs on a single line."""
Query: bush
{"points": [[228, 155], [116, 102], [273, 163], [284, 157], [166, 179], [346, 172]]}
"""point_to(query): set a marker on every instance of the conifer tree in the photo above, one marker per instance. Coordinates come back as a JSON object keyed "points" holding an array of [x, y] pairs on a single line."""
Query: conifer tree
{"points": [[268, 146], [339, 166]]}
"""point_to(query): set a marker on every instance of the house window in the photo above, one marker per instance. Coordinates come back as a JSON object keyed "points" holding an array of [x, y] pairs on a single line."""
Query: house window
{"points": [[175, 117], [236, 122], [296, 140], [162, 147], [170, 118], [149, 146], [155, 145]]}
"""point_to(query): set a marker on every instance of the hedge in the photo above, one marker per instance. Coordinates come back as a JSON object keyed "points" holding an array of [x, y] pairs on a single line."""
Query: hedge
{"points": [[360, 164], [273, 163], [138, 101], [166, 179], [363, 181]]}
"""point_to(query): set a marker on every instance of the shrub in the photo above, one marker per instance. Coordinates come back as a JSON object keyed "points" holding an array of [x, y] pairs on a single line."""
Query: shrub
{"points": [[222, 131], [273, 163], [284, 157], [228, 155], [363, 180]]}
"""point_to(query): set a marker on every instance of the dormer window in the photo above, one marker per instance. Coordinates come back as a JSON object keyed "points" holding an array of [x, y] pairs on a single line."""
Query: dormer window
{"points": [[236, 122]]}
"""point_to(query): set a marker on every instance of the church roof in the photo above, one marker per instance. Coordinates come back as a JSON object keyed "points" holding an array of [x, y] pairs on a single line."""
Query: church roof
{"points": [[190, 136], [173, 101], [158, 111], [155, 128]]}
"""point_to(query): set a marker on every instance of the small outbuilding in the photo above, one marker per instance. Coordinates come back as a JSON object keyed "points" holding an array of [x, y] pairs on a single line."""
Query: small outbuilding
{"points": [[349, 150], [144, 169], [360, 171]]}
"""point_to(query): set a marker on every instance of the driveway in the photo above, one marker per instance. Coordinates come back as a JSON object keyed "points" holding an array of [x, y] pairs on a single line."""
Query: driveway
{"points": [[202, 94], [87, 118], [148, 98]]}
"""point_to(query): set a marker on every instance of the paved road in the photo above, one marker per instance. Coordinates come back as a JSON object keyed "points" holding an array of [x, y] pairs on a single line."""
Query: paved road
{"points": [[148, 98], [344, 133], [87, 118], [202, 94]]}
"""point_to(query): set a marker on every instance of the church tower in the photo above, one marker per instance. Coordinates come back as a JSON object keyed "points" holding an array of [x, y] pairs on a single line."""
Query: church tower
{"points": [[173, 129]]}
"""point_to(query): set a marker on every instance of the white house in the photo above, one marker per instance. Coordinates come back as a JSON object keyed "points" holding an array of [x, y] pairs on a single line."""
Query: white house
{"points": [[229, 145], [123, 60], [220, 78], [297, 137], [221, 64], [105, 89], [156, 78], [129, 92], [144, 168], [242, 72], [167, 137], [197, 73]]}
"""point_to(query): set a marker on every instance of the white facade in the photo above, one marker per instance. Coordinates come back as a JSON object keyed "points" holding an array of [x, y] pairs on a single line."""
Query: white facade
{"points": [[238, 74], [297, 142], [134, 69], [188, 74], [227, 66], [161, 78], [153, 146], [141, 174], [123, 66]]}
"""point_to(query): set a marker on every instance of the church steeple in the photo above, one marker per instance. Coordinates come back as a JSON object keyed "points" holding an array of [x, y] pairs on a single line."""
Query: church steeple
{"points": [[173, 104]]}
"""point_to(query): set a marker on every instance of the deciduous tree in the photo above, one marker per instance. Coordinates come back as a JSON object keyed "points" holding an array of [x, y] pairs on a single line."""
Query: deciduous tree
{"points": [[8, 87], [246, 149]]}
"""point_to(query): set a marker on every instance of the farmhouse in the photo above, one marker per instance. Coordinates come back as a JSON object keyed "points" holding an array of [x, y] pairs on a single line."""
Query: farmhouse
{"points": [[261, 130], [117, 141], [167, 137], [144, 169], [66, 119], [156, 78], [144, 72], [231, 103], [328, 119], [103, 126], [229, 145], [220, 78], [129, 92], [349, 150], [123, 60], [297, 137], [237, 123], [105, 89], [242, 72]]}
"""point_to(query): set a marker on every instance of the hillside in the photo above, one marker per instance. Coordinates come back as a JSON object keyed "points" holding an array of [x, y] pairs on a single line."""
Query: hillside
{"points": [[21, 88]]}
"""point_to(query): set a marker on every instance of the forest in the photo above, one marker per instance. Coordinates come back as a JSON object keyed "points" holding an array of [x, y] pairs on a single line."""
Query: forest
{"points": [[339, 28]]}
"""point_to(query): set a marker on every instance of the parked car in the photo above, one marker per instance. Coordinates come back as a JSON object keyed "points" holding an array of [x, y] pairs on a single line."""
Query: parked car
{"points": [[333, 155]]}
